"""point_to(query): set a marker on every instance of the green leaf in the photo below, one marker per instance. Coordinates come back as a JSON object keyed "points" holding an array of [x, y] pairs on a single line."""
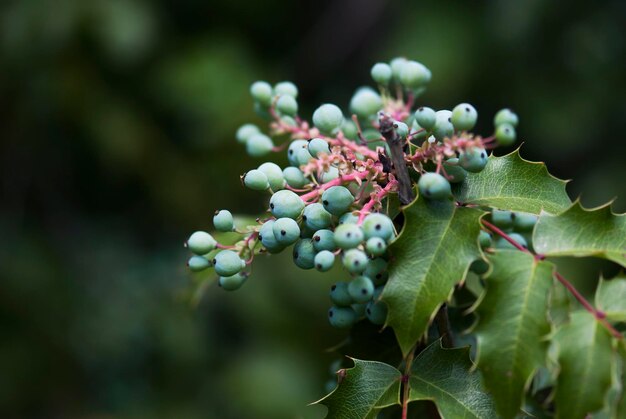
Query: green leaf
{"points": [[512, 326], [621, 399], [611, 298], [585, 358], [365, 389], [446, 377], [432, 254], [581, 232], [512, 183]]}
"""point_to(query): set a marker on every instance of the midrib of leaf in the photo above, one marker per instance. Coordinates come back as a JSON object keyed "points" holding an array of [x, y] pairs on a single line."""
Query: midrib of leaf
{"points": [[445, 392]]}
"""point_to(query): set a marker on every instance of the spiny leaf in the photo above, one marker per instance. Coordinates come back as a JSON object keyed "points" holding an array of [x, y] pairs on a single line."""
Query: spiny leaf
{"points": [[581, 232], [585, 359], [512, 183], [611, 298], [512, 325], [445, 376], [432, 254], [363, 391]]}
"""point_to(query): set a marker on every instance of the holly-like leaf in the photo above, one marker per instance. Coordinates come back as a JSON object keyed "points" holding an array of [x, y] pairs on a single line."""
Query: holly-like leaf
{"points": [[585, 358], [446, 377], [512, 326], [512, 183], [611, 298], [432, 254], [363, 390], [581, 232]]}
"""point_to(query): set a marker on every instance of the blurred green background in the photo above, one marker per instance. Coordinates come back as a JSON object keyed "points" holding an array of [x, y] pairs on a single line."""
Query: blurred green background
{"points": [[117, 141]]}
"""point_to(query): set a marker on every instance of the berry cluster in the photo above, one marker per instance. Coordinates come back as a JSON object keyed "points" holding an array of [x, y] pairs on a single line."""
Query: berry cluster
{"points": [[332, 201]]}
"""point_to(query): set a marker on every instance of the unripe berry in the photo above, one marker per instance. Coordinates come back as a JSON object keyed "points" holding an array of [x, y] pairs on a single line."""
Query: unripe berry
{"points": [[502, 219], [258, 145], [324, 260], [268, 240], [434, 186], [317, 146], [274, 175], [328, 118], [233, 282], [397, 64], [330, 174], [348, 218], [294, 177], [246, 131], [341, 317], [376, 246], [479, 267], [348, 236], [198, 263], [361, 289], [426, 117], [505, 116], [287, 105], [337, 199], [505, 134], [473, 159], [484, 239], [286, 203], [443, 126], [355, 261], [261, 91], [324, 240], [223, 221], [414, 74], [304, 254], [256, 180], [286, 231], [502, 243], [377, 271], [316, 217], [292, 151], [303, 156], [376, 312], [464, 117], [378, 225], [286, 88], [339, 294], [454, 172], [366, 102], [381, 73], [401, 129], [201, 243], [227, 263], [524, 221]]}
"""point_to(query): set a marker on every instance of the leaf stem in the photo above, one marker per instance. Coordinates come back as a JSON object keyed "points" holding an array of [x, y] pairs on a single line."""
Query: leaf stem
{"points": [[405, 383]]}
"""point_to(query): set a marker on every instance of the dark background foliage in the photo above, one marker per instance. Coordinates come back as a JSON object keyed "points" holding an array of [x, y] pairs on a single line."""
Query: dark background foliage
{"points": [[117, 120]]}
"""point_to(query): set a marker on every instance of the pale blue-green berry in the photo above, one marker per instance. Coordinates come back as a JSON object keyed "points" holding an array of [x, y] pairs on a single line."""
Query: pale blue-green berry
{"points": [[261, 91], [246, 131], [330, 174], [355, 261], [479, 267], [454, 172], [348, 218], [397, 64], [502, 219], [286, 88], [227, 263], [464, 117], [349, 129], [348, 236], [317, 146], [198, 263], [473, 159], [414, 74], [337, 199], [524, 221], [268, 240], [223, 220], [286, 203], [378, 225], [303, 156], [286, 231], [201, 243], [288, 120], [502, 243], [418, 132], [339, 294], [287, 105], [341, 317], [316, 217], [376, 312], [484, 239], [361, 289], [376, 246], [426, 117], [377, 270], [233, 282], [366, 102], [324, 260], [328, 118], [274, 175], [359, 309], [294, 177], [306, 232], [505, 116], [401, 129], [259, 145], [381, 73], [324, 240], [262, 111], [443, 126], [505, 134], [434, 186], [256, 180], [293, 150], [304, 254]]}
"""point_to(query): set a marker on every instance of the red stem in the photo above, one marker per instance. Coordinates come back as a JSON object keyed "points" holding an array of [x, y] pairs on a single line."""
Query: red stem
{"points": [[335, 182], [376, 198]]}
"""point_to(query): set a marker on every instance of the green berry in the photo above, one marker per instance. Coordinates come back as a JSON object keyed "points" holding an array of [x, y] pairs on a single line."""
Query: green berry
{"points": [[286, 88], [454, 172], [256, 180], [479, 267], [304, 254], [473, 159], [268, 240], [524, 221], [377, 270], [223, 220], [198, 263], [349, 129], [361, 289], [397, 64], [246, 131], [294, 177], [324, 260], [316, 217], [274, 175], [261, 91], [328, 118], [317, 146], [443, 126], [201, 243], [258, 145], [366, 102], [233, 282], [434, 186], [286, 203], [303, 156], [330, 174], [401, 129], [376, 246], [378, 225], [484, 239], [502, 219], [505, 116], [287, 105], [426, 117], [502, 243], [324, 240], [286, 231], [376, 312], [227, 263], [381, 73], [348, 218], [464, 117], [355, 261], [339, 294], [414, 74], [341, 317], [348, 236], [505, 134], [359, 310], [292, 151], [419, 133], [337, 199]]}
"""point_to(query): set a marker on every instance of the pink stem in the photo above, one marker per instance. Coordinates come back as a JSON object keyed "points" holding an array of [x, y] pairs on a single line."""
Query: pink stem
{"points": [[377, 198], [335, 182]]}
